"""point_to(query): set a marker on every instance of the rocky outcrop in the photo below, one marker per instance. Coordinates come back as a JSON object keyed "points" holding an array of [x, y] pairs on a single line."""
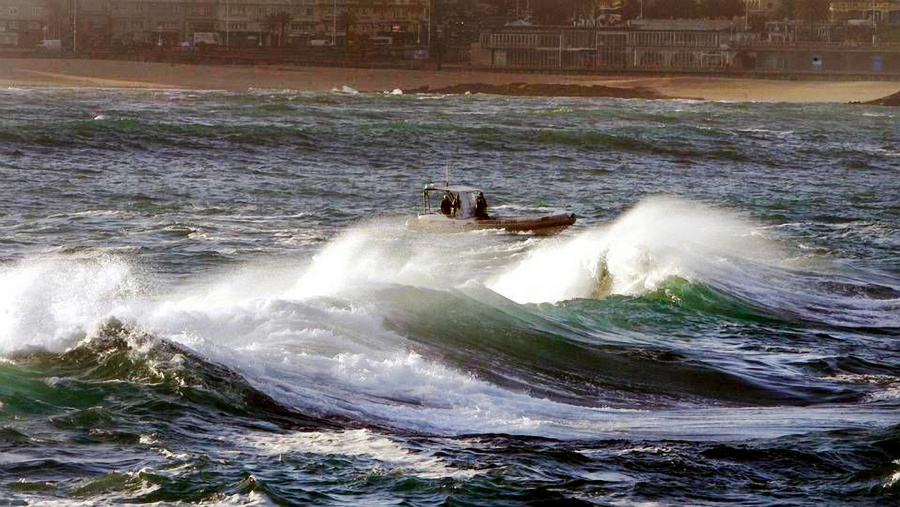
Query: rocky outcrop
{"points": [[890, 100]]}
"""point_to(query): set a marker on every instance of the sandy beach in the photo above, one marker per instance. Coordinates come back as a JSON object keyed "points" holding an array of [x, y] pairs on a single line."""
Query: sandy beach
{"points": [[126, 74]]}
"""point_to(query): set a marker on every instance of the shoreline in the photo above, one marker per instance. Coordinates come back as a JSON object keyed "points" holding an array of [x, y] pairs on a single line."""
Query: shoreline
{"points": [[146, 75]]}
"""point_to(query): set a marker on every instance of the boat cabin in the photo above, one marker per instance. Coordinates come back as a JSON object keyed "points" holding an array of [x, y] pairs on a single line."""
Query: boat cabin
{"points": [[454, 201]]}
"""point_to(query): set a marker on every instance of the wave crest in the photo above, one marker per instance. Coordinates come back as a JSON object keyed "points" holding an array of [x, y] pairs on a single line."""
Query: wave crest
{"points": [[659, 239], [47, 302]]}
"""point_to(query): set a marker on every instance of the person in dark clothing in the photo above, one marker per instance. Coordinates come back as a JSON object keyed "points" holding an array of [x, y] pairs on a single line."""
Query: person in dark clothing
{"points": [[480, 206], [447, 205]]}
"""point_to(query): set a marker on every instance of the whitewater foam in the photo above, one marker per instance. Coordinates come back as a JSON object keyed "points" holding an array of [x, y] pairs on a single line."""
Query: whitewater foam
{"points": [[660, 238], [385, 253], [355, 443], [345, 90], [49, 302], [323, 355]]}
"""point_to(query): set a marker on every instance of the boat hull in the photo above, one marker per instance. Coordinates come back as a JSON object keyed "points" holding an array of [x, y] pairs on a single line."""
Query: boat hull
{"points": [[536, 224]]}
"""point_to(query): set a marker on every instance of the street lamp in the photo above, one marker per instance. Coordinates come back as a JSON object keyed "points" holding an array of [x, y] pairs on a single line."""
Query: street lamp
{"points": [[873, 22], [75, 26], [747, 16]]}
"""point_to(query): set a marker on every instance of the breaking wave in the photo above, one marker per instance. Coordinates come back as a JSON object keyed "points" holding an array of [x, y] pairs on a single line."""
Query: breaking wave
{"points": [[383, 326]]}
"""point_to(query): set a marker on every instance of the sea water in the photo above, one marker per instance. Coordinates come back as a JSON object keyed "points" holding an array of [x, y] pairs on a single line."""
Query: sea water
{"points": [[211, 297]]}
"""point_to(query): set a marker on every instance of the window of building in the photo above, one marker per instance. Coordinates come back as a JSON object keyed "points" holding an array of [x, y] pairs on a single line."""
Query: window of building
{"points": [[37, 11], [13, 11]]}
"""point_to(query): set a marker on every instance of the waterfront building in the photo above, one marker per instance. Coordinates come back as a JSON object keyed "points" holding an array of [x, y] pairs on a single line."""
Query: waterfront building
{"points": [[882, 12], [22, 22], [109, 24], [692, 45], [764, 8]]}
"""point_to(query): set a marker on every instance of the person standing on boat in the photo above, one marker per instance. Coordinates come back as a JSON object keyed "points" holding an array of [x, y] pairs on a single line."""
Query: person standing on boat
{"points": [[481, 206], [447, 205]]}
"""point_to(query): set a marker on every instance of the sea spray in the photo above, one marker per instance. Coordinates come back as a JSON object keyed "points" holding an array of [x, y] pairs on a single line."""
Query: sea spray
{"points": [[47, 301], [659, 239], [385, 252]]}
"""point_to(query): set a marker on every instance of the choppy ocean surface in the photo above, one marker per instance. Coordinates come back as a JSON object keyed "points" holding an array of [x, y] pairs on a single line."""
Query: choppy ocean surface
{"points": [[211, 297]]}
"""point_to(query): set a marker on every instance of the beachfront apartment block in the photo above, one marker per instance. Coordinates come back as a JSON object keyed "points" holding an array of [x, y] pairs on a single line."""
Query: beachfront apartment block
{"points": [[88, 24], [879, 12], [110, 24], [765, 8], [22, 22]]}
